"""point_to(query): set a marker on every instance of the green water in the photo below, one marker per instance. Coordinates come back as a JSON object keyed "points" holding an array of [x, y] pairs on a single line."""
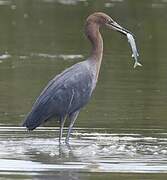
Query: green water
{"points": [[39, 39]]}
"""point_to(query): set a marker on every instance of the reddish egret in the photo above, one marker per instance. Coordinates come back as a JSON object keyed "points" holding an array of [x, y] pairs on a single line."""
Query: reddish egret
{"points": [[68, 92]]}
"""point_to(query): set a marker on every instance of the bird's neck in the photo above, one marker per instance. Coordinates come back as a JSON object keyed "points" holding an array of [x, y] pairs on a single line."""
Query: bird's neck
{"points": [[93, 34]]}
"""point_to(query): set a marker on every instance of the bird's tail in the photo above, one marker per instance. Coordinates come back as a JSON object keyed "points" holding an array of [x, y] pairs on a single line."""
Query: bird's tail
{"points": [[32, 121], [40, 113]]}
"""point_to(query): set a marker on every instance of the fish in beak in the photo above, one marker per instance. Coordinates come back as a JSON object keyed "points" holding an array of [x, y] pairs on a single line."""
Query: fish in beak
{"points": [[115, 26]]}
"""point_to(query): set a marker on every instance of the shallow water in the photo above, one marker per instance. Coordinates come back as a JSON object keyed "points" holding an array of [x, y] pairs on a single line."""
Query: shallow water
{"points": [[90, 151], [122, 132]]}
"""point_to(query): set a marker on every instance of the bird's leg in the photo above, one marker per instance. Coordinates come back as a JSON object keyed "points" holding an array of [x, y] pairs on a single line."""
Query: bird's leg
{"points": [[72, 119], [62, 121]]}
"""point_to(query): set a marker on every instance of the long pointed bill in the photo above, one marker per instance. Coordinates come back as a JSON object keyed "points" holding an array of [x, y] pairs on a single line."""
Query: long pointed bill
{"points": [[115, 26]]}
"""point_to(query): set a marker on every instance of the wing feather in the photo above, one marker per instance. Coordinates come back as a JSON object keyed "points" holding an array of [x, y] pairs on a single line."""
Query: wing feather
{"points": [[65, 94]]}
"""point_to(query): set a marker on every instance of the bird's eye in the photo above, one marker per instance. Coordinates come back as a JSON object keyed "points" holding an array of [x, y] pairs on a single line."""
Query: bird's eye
{"points": [[110, 21]]}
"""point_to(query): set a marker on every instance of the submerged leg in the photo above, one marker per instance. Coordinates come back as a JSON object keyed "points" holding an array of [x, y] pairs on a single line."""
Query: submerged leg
{"points": [[62, 121], [72, 119]]}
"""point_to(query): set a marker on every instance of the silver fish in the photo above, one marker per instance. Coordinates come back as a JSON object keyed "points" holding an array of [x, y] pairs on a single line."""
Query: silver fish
{"points": [[135, 53]]}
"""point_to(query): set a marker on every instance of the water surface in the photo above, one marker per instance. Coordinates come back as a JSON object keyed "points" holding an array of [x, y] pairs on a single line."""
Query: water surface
{"points": [[90, 151]]}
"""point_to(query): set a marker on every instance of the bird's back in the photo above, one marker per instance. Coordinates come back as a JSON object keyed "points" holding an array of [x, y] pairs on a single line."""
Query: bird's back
{"points": [[65, 94]]}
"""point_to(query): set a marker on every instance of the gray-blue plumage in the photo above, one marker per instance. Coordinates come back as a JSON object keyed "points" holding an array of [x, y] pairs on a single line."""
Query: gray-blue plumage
{"points": [[64, 95], [69, 91]]}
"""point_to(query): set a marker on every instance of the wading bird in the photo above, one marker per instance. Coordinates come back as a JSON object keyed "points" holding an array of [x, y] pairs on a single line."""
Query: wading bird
{"points": [[69, 91]]}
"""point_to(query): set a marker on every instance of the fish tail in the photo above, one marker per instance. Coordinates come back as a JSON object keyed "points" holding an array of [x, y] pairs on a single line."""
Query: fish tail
{"points": [[137, 64]]}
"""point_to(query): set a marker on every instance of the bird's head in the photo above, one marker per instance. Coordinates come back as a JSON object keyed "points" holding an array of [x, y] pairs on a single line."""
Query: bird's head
{"points": [[103, 19]]}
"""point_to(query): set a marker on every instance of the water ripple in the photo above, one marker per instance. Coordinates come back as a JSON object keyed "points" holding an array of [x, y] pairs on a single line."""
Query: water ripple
{"points": [[91, 150], [60, 56]]}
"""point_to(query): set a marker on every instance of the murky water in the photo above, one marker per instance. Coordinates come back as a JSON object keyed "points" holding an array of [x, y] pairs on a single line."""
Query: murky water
{"points": [[91, 150], [122, 132]]}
